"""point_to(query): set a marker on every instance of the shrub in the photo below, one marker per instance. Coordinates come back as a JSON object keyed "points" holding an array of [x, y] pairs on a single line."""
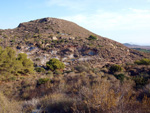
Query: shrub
{"points": [[57, 103], [49, 73], [40, 69], [27, 64], [9, 64], [81, 68], [91, 37], [43, 81], [54, 64], [121, 77], [140, 81], [115, 68], [144, 61]]}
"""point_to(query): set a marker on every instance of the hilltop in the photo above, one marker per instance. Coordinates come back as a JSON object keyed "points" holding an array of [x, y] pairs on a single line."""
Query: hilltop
{"points": [[47, 38]]}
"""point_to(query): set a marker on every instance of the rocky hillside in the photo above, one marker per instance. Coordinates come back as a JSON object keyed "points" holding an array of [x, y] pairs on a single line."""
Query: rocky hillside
{"points": [[47, 38]]}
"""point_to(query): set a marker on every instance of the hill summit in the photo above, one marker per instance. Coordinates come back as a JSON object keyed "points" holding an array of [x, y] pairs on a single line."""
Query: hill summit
{"points": [[47, 38]]}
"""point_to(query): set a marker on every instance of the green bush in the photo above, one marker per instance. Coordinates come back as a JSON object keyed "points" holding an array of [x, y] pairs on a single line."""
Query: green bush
{"points": [[54, 64], [8, 62], [140, 81], [27, 64], [121, 77], [43, 81], [115, 68], [40, 69], [10, 65], [144, 61], [91, 37]]}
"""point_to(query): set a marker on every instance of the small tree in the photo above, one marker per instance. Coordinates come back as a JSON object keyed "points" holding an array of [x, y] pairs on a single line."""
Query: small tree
{"points": [[54, 64], [9, 64], [27, 64]]}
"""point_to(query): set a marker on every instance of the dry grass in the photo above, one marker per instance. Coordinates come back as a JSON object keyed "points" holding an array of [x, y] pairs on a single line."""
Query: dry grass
{"points": [[7, 106], [85, 92]]}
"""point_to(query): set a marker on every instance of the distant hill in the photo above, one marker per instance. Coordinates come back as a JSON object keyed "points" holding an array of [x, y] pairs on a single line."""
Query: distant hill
{"points": [[47, 38], [145, 49], [136, 46]]}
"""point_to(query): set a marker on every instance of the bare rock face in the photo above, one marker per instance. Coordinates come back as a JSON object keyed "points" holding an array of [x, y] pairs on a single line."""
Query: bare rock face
{"points": [[47, 38]]}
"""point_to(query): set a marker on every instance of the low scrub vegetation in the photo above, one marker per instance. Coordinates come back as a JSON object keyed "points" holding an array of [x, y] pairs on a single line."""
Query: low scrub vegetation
{"points": [[91, 37], [86, 92], [7, 106], [121, 77], [40, 69], [82, 89], [54, 64], [115, 68], [140, 81], [43, 81], [144, 61]]}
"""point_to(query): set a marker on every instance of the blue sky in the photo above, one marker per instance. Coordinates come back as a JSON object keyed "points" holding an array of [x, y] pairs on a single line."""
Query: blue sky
{"points": [[120, 20]]}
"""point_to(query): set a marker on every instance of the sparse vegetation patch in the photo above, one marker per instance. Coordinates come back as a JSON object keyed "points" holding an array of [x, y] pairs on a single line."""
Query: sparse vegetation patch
{"points": [[144, 61], [115, 68], [54, 64], [91, 37]]}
